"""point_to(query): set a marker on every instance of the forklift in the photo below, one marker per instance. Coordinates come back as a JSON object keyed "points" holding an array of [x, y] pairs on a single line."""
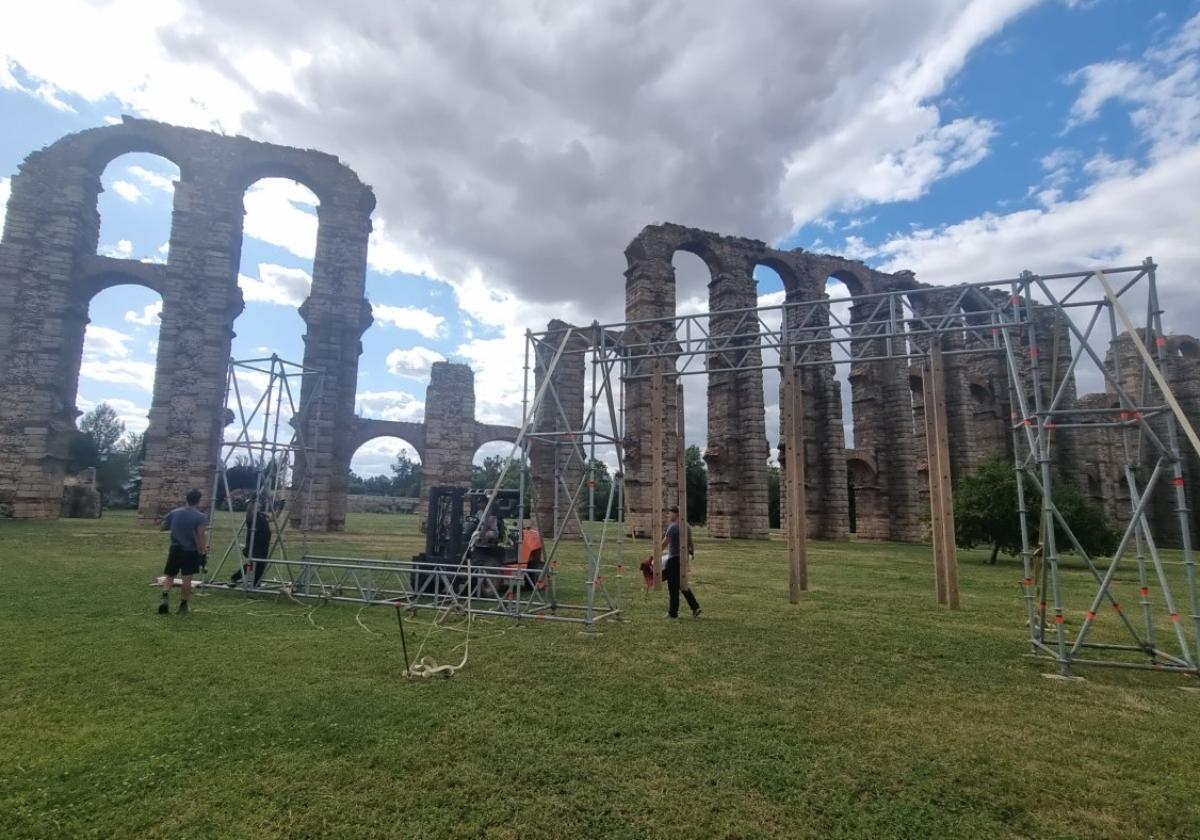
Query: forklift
{"points": [[439, 570]]}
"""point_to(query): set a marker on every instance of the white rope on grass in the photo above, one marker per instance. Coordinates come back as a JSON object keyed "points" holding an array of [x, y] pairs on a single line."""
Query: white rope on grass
{"points": [[426, 666]]}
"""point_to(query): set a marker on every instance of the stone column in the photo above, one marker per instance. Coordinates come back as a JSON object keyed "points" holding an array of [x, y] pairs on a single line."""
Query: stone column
{"points": [[336, 315], [201, 299], [449, 429], [649, 295], [51, 224], [555, 461], [737, 449], [825, 441]]}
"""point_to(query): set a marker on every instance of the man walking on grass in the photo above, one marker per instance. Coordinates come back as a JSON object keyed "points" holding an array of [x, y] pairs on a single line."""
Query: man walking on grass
{"points": [[674, 568], [189, 543]]}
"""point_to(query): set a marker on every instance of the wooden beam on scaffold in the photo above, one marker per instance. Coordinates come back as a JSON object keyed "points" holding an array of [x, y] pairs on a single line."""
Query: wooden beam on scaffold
{"points": [[685, 530], [797, 519], [939, 448], [656, 472]]}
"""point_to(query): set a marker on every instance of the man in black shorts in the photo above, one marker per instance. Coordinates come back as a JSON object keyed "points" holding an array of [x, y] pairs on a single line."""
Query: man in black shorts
{"points": [[189, 543]]}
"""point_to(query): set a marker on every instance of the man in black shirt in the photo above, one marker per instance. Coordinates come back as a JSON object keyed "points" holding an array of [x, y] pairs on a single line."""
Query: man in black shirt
{"points": [[672, 571], [258, 544]]}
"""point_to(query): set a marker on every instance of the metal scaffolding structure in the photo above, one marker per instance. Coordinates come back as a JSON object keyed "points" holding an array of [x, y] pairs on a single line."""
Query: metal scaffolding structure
{"points": [[926, 326], [276, 449], [269, 423]]}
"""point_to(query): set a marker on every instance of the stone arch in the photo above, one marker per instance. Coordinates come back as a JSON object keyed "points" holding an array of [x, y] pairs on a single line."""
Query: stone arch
{"points": [[48, 262], [410, 435], [1184, 345], [863, 495], [365, 430]]}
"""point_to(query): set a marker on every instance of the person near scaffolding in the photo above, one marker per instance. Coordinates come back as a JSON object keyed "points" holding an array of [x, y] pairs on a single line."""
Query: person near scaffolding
{"points": [[257, 549], [673, 569], [189, 546]]}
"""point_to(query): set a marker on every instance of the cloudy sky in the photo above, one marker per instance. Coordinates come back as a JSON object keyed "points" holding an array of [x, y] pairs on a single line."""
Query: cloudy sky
{"points": [[516, 146]]}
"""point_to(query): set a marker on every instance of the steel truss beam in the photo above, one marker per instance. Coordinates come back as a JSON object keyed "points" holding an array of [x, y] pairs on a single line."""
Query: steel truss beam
{"points": [[1000, 319]]}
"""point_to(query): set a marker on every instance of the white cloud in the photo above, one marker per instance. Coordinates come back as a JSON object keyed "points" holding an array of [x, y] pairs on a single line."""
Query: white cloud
{"points": [[390, 405], [1162, 91], [276, 284], [280, 212], [375, 457], [127, 191], [154, 180], [115, 49], [128, 412], [122, 250], [409, 318], [523, 151], [1121, 220], [415, 362], [499, 382], [104, 343], [147, 317], [907, 174], [120, 372], [856, 248], [1103, 82]]}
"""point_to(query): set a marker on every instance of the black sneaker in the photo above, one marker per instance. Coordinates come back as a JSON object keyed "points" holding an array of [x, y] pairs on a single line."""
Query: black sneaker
{"points": [[696, 613], [164, 608], [183, 608], [670, 617]]}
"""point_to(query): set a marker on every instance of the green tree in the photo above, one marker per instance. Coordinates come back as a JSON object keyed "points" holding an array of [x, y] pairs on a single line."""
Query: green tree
{"points": [[104, 426], [697, 487], [603, 488], [985, 513], [134, 448], [98, 445], [483, 477], [406, 476]]}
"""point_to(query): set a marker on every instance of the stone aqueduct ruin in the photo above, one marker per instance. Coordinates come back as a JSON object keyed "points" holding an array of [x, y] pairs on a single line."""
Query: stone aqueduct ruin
{"points": [[50, 271]]}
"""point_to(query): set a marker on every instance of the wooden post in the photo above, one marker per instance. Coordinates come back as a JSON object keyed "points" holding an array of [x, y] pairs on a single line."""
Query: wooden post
{"points": [[685, 532], [656, 474], [797, 529], [934, 473], [949, 552]]}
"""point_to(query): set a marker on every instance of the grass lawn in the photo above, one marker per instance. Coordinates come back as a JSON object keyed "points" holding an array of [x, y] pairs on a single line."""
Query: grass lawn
{"points": [[864, 711]]}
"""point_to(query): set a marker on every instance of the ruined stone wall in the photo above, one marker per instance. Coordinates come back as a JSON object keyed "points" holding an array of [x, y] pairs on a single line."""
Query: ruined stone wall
{"points": [[557, 460], [449, 429], [445, 442], [737, 447], [49, 273], [1181, 365], [649, 296]]}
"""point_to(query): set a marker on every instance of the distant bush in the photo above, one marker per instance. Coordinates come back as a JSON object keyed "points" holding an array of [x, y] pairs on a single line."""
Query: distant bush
{"points": [[985, 513]]}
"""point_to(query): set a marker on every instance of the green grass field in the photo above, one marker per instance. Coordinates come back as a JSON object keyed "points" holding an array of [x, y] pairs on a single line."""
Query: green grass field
{"points": [[864, 711]]}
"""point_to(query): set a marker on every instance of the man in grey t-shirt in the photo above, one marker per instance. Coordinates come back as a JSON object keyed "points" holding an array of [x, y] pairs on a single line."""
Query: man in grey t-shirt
{"points": [[673, 569], [189, 543]]}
